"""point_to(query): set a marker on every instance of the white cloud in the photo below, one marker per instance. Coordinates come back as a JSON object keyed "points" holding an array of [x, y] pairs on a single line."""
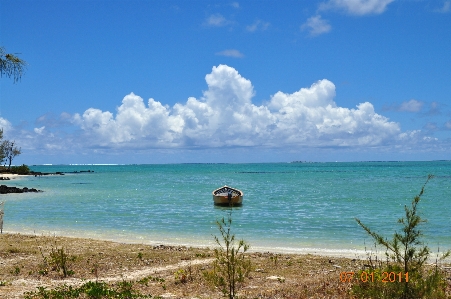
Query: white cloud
{"points": [[316, 25], [231, 53], [5, 125], [357, 7], [134, 121], [39, 130], [448, 125], [224, 119], [406, 106], [258, 25], [216, 20], [411, 106], [226, 116], [235, 5], [445, 8]]}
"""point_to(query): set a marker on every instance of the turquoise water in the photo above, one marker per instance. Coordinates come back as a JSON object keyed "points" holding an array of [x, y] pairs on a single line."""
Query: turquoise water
{"points": [[287, 206]]}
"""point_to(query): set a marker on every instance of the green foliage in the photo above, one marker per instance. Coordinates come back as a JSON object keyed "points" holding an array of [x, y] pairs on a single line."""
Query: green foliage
{"points": [[23, 169], [405, 253], [9, 151], [58, 260], [11, 65], [231, 265], [181, 275], [90, 289], [274, 259], [145, 280]]}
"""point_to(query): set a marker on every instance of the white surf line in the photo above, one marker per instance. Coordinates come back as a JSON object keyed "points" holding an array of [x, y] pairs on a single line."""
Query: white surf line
{"points": [[31, 284]]}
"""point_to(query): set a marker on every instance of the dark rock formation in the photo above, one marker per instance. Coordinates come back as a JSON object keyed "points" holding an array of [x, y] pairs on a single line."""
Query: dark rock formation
{"points": [[5, 189], [38, 173]]}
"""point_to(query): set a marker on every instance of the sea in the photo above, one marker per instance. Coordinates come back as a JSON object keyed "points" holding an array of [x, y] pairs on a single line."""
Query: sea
{"points": [[287, 207]]}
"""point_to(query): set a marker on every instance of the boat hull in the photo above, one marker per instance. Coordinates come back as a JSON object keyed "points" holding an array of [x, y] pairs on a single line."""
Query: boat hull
{"points": [[224, 200], [227, 196]]}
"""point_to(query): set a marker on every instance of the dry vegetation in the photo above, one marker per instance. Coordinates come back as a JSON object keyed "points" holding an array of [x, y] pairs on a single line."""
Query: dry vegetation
{"points": [[162, 270], [166, 271]]}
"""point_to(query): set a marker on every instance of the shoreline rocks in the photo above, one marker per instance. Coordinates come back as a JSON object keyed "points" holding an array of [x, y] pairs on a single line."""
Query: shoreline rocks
{"points": [[5, 189], [38, 173]]}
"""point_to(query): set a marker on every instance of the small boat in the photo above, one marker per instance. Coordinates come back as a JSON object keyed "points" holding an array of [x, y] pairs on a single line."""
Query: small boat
{"points": [[227, 196]]}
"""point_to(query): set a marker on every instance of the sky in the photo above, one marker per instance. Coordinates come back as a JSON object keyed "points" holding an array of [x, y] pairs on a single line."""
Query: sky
{"points": [[228, 81]]}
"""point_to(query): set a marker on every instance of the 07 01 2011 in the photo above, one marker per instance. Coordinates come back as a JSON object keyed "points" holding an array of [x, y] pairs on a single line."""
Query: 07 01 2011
{"points": [[369, 277]]}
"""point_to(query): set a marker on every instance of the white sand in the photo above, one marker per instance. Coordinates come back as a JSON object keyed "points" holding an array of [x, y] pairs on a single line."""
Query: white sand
{"points": [[11, 176]]}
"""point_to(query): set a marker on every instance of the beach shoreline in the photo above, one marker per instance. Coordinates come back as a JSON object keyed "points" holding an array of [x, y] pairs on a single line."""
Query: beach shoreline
{"points": [[326, 252], [12, 176], [353, 254], [26, 263], [23, 259]]}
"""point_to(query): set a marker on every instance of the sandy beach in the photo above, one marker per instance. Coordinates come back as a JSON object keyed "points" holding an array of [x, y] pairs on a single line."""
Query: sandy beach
{"points": [[11, 176], [23, 268], [24, 265]]}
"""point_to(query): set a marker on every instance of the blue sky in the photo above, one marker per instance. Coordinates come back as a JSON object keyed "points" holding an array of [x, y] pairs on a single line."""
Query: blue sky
{"points": [[228, 81]]}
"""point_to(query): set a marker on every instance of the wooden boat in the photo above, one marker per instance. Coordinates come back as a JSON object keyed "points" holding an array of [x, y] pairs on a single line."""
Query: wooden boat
{"points": [[227, 196]]}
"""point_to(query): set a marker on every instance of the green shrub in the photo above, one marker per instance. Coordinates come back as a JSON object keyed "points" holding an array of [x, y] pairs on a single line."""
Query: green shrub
{"points": [[60, 260], [406, 253], [230, 266], [20, 169], [90, 289]]}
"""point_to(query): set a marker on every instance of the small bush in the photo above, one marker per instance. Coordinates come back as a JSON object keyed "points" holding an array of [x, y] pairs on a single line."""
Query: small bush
{"points": [[58, 260], [406, 253], [20, 169], [181, 275], [230, 266], [89, 289]]}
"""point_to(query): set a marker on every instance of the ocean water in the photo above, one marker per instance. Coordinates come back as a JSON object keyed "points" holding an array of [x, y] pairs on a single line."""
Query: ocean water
{"points": [[289, 207]]}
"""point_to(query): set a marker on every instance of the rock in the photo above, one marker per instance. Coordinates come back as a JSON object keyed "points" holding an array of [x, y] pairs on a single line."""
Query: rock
{"points": [[5, 189]]}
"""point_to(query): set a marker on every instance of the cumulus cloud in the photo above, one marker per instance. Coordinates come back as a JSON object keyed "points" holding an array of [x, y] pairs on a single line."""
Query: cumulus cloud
{"points": [[257, 25], [316, 25], [357, 7], [231, 53], [226, 117], [134, 121]]}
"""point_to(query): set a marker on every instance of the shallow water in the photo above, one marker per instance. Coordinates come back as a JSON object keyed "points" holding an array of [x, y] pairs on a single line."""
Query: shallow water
{"points": [[287, 206]]}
